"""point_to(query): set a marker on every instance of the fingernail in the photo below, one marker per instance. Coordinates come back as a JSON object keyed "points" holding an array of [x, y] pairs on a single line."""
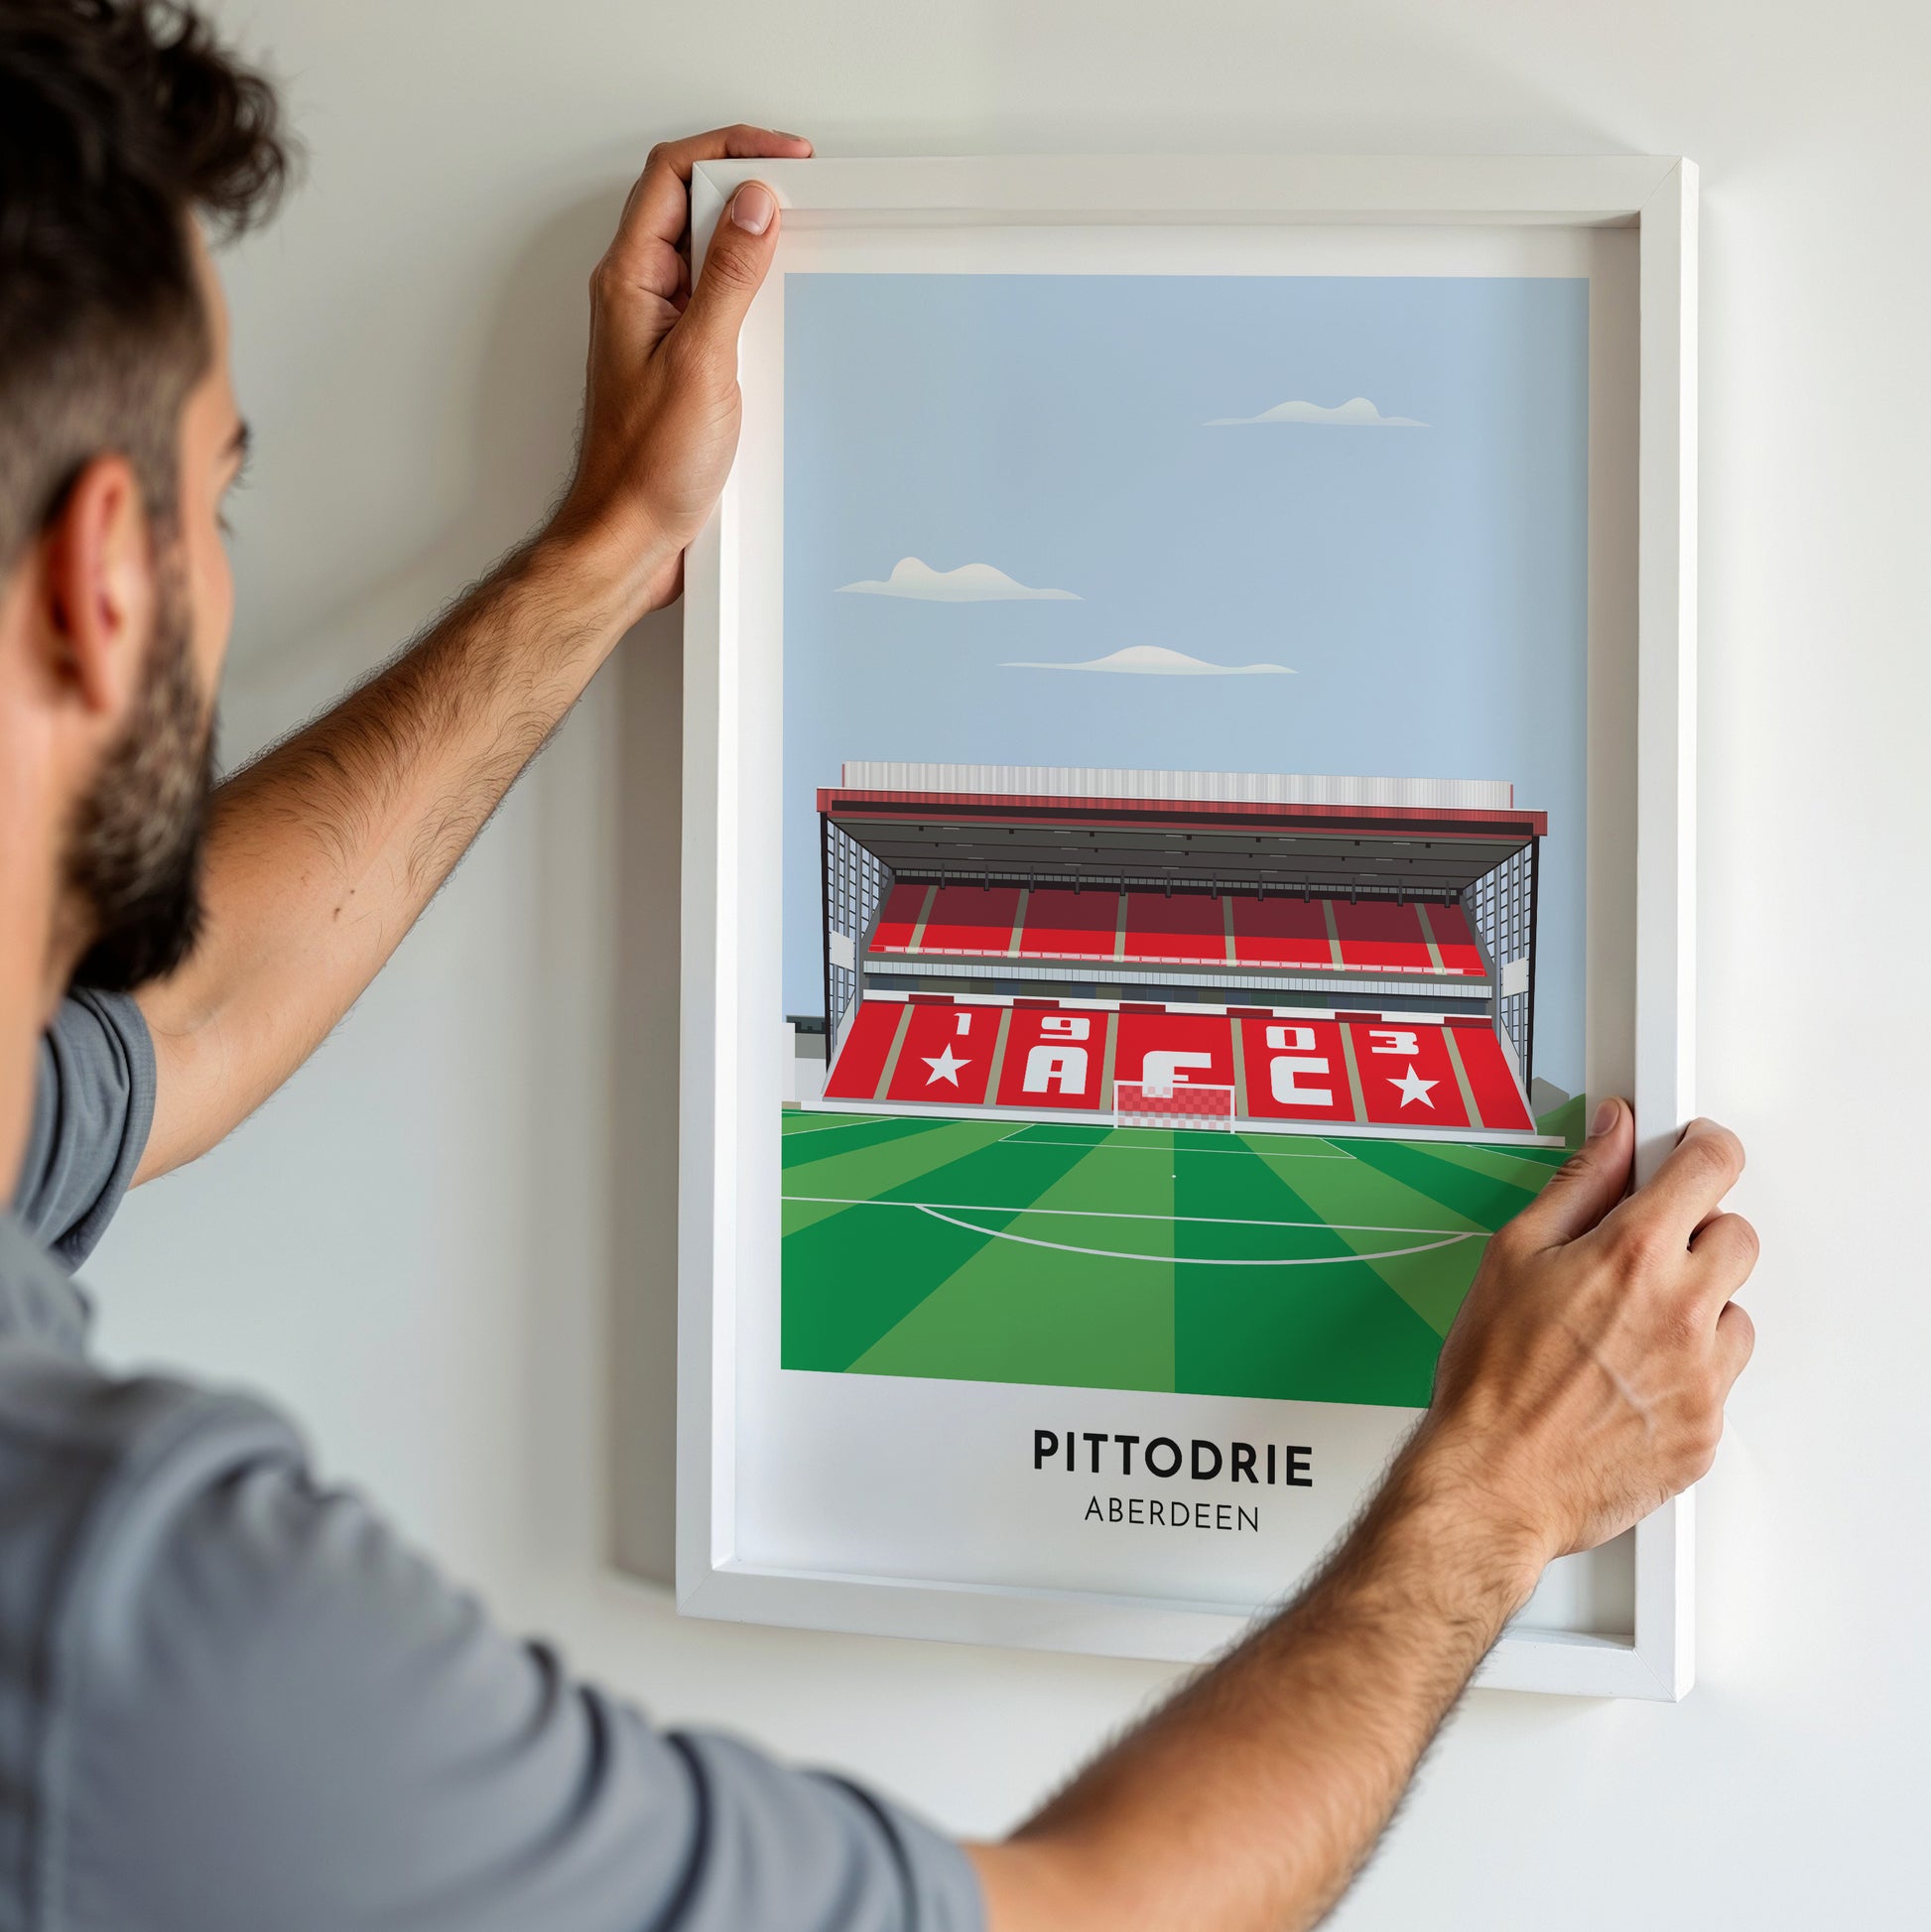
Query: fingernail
{"points": [[753, 207], [1604, 1119]]}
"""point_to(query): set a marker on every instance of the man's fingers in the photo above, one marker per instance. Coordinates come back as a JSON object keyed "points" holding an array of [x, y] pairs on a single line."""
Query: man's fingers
{"points": [[740, 251], [1689, 1187], [1725, 1249], [1736, 1339], [1587, 1185], [658, 207]]}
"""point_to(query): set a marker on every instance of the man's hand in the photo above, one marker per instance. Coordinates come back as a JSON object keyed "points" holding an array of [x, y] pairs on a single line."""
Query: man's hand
{"points": [[1583, 1383], [661, 405]]}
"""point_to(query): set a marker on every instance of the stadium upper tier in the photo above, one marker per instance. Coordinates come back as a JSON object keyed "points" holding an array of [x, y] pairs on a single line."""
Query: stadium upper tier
{"points": [[1194, 929]]}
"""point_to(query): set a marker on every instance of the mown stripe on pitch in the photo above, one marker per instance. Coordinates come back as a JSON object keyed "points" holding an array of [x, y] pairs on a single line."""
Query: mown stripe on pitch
{"points": [[796, 1148], [1317, 1334], [1531, 1168], [854, 1272], [1014, 1313], [1433, 1284], [1485, 1199]]}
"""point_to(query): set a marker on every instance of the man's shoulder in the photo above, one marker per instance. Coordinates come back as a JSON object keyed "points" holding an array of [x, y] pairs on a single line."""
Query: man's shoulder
{"points": [[93, 1104]]}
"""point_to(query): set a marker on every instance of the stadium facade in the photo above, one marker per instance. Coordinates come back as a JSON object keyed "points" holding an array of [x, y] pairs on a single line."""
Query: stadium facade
{"points": [[1271, 953]]}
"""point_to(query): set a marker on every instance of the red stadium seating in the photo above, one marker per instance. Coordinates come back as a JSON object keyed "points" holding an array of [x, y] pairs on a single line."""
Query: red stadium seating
{"points": [[1054, 1059], [1406, 1074], [971, 919], [1401, 1072], [1372, 936], [1297, 1069], [1379, 935], [1491, 1080], [1191, 926], [946, 1053], [1157, 1048], [899, 919], [1282, 933], [1454, 940], [1070, 925], [860, 1065]]}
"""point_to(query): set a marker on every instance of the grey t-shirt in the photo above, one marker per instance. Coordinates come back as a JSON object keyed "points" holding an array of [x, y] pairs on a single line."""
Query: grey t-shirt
{"points": [[232, 1700]]}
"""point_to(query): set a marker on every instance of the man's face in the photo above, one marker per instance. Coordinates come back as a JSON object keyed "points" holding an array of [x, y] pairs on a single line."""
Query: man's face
{"points": [[134, 855]]}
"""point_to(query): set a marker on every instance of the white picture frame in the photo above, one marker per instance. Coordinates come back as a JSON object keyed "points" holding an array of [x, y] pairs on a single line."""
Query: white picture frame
{"points": [[727, 731]]}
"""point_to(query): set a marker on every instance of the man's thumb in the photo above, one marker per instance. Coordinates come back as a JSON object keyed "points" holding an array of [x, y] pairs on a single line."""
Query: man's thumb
{"points": [[1587, 1185], [742, 247]]}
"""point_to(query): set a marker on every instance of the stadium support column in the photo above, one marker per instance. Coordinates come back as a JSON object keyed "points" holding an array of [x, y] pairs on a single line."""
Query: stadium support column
{"points": [[824, 926], [1535, 906]]}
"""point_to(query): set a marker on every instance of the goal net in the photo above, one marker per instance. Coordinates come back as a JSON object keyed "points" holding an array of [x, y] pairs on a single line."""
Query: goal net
{"points": [[1172, 1103]]}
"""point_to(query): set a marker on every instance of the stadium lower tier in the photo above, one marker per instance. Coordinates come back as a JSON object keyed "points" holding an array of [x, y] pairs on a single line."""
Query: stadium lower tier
{"points": [[1198, 929], [1257, 1066]]}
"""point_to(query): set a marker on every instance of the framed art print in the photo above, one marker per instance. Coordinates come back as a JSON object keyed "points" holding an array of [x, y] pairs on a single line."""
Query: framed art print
{"points": [[1187, 804]]}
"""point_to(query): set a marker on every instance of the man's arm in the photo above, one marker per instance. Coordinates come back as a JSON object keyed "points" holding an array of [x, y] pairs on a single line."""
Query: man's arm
{"points": [[320, 854], [1583, 1384]]}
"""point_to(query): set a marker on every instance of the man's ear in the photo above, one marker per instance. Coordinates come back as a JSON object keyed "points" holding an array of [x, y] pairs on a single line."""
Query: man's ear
{"points": [[98, 589]]}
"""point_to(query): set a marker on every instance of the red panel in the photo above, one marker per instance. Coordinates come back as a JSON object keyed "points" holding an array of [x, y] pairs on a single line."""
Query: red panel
{"points": [[1281, 931], [1407, 1080], [1188, 925], [1377, 935], [1182, 1033], [947, 1055], [1070, 924], [1291, 1065], [1053, 1059], [900, 919], [1498, 1097], [855, 1075], [1453, 940], [971, 919]]}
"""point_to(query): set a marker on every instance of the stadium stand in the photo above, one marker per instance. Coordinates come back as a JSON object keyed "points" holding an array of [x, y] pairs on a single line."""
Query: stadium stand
{"points": [[1346, 1069], [1046, 942]]}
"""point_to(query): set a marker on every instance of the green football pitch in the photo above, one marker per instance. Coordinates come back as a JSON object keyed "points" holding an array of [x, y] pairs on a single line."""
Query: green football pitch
{"points": [[1082, 1256]]}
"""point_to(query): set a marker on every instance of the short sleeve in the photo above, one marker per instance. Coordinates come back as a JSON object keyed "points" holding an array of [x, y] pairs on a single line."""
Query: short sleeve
{"points": [[277, 1716], [93, 1104]]}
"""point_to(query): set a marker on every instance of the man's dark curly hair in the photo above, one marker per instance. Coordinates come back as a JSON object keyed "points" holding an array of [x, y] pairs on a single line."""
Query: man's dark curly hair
{"points": [[120, 121]]}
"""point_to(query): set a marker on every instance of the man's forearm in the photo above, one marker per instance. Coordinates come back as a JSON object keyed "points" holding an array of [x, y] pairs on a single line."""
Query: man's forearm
{"points": [[322, 852], [1253, 1798]]}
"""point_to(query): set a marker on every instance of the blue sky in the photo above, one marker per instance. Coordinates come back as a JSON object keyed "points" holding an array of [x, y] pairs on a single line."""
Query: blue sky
{"points": [[1427, 586]]}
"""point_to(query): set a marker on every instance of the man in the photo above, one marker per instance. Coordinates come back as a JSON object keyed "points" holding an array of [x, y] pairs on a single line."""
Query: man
{"points": [[229, 1698]]}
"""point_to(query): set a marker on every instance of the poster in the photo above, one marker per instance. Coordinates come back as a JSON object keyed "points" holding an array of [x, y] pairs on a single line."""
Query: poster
{"points": [[1185, 744]]}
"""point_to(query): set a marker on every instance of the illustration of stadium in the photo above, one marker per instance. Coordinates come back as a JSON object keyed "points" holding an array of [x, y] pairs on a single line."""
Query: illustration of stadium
{"points": [[1152, 1079]]}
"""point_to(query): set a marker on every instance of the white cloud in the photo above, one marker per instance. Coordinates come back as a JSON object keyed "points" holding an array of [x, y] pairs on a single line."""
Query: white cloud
{"points": [[1156, 661], [970, 583], [1358, 413]]}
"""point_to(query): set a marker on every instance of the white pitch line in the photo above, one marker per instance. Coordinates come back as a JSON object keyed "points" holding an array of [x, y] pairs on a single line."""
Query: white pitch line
{"points": [[1123, 1213], [1200, 1261], [1103, 1146], [837, 1126]]}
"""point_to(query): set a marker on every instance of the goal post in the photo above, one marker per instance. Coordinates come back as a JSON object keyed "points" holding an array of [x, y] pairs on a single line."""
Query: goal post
{"points": [[1172, 1103]]}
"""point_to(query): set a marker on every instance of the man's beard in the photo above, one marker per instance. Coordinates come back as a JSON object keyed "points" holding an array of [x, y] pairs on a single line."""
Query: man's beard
{"points": [[134, 857]]}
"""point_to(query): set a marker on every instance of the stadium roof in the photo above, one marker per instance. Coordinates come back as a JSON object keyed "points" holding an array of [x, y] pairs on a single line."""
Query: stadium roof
{"points": [[1197, 787], [1242, 831]]}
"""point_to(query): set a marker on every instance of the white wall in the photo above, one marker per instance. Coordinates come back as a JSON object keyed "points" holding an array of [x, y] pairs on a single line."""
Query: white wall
{"points": [[425, 1245]]}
